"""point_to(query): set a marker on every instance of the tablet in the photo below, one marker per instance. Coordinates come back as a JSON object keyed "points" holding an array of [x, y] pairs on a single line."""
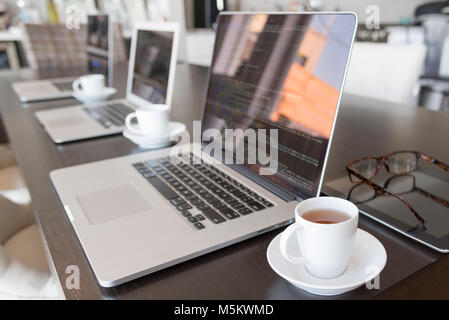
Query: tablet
{"points": [[425, 190]]}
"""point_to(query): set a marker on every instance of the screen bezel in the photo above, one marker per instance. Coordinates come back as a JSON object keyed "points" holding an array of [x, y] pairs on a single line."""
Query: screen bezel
{"points": [[246, 168], [153, 26]]}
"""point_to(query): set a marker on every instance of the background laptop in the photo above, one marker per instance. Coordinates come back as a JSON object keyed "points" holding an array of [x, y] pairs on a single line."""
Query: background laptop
{"points": [[282, 71], [150, 80], [100, 60]]}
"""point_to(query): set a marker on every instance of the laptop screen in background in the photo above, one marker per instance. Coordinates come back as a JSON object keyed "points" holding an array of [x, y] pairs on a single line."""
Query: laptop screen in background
{"points": [[285, 72], [98, 43], [152, 65], [97, 31]]}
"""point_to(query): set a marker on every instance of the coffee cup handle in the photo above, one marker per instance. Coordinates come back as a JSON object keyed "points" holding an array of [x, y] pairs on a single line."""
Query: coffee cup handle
{"points": [[128, 119], [285, 237], [76, 85]]}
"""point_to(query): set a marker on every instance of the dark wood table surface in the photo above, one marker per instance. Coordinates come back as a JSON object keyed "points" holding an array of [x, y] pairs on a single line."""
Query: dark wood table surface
{"points": [[241, 271]]}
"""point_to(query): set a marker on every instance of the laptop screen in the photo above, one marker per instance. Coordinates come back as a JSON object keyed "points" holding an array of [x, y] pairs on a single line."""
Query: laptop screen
{"points": [[152, 65], [98, 43], [97, 31], [285, 72]]}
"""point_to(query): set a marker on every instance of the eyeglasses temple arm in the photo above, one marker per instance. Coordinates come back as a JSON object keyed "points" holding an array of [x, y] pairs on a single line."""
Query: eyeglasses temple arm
{"points": [[440, 164], [432, 196], [419, 217]]}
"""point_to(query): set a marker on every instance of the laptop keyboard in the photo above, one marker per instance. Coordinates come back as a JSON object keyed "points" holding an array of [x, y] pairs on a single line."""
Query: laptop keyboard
{"points": [[200, 191], [64, 86], [109, 115]]}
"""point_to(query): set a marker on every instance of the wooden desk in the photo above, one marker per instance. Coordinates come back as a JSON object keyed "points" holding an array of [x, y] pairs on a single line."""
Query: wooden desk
{"points": [[240, 271]]}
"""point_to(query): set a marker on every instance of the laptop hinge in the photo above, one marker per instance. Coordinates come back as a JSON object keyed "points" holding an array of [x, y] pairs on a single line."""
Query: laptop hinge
{"points": [[263, 182]]}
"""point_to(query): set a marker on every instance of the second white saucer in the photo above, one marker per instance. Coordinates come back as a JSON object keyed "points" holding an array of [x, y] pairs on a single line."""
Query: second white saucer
{"points": [[366, 263], [174, 129], [101, 96]]}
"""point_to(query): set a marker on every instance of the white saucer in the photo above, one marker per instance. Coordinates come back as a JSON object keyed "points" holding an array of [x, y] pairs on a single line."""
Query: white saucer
{"points": [[174, 129], [101, 96], [367, 261]]}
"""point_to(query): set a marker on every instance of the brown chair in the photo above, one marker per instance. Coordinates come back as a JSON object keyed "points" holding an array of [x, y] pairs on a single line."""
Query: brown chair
{"points": [[53, 45]]}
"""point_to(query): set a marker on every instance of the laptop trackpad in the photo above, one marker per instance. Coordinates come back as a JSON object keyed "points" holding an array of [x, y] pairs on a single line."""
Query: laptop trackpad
{"points": [[112, 203], [66, 121]]}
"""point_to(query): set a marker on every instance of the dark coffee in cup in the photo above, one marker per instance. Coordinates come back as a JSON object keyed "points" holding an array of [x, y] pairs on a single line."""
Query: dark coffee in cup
{"points": [[325, 216]]}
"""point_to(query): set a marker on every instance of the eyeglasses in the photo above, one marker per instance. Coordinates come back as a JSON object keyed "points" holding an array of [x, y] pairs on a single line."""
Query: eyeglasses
{"points": [[397, 163]]}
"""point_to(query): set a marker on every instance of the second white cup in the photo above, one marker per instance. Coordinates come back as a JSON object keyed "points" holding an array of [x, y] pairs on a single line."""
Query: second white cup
{"points": [[152, 120], [91, 84]]}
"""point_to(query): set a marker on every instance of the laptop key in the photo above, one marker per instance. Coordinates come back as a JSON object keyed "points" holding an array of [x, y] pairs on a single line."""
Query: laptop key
{"points": [[229, 213], [139, 165], [186, 193], [213, 216], [148, 174], [207, 196], [191, 197], [214, 200], [197, 202], [230, 201], [223, 195], [152, 163], [219, 205], [199, 225], [180, 188], [267, 203], [238, 194], [160, 186], [186, 213], [184, 207], [203, 207], [237, 206], [200, 217], [247, 199], [192, 219], [177, 201], [245, 211], [256, 206]]}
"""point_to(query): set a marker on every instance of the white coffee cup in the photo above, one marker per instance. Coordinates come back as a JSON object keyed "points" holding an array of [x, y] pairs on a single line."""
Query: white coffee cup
{"points": [[152, 120], [91, 84], [325, 248]]}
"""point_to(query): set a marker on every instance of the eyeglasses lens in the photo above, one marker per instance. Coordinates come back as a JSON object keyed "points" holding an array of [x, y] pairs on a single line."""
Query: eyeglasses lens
{"points": [[367, 168], [401, 184], [361, 193], [401, 163]]}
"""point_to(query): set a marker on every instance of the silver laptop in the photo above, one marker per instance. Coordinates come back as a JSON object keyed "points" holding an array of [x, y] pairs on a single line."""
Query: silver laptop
{"points": [[100, 53], [141, 213], [150, 80]]}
